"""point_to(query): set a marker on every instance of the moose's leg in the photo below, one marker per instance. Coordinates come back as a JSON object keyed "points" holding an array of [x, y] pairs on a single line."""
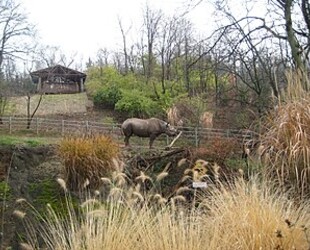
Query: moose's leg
{"points": [[152, 138], [126, 140]]}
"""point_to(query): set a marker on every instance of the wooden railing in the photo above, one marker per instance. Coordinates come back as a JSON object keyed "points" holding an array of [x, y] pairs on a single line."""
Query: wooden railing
{"points": [[50, 127]]}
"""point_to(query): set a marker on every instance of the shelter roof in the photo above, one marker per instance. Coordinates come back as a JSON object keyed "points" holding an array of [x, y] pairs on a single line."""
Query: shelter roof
{"points": [[58, 71]]}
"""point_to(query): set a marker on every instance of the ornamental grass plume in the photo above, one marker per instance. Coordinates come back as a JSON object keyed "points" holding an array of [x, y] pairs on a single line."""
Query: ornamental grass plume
{"points": [[240, 216], [248, 215], [161, 176], [87, 159], [286, 139]]}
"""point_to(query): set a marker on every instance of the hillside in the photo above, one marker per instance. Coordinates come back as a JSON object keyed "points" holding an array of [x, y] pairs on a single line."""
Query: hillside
{"points": [[63, 104]]}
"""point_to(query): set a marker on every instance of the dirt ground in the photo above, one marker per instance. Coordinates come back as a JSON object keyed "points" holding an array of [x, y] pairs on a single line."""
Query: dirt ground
{"points": [[31, 174], [23, 169]]}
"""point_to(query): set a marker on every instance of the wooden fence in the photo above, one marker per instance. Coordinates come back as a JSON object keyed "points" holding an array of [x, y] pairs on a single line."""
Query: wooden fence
{"points": [[49, 127]]}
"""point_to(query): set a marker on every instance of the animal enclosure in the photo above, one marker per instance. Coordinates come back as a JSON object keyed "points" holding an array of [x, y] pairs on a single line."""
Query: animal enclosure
{"points": [[191, 136]]}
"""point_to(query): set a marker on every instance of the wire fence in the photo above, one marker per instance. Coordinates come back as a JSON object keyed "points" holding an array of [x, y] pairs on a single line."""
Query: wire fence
{"points": [[194, 136]]}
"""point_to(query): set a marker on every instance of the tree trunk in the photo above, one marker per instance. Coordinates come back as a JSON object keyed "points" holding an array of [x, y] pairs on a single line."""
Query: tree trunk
{"points": [[293, 42], [30, 117], [163, 73]]}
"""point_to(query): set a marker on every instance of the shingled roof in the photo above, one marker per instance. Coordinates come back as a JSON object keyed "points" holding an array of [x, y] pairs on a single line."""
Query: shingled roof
{"points": [[57, 71]]}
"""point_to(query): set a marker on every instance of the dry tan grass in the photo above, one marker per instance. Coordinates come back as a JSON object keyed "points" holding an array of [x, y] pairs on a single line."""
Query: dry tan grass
{"points": [[87, 159], [251, 215], [286, 138], [244, 215], [51, 105]]}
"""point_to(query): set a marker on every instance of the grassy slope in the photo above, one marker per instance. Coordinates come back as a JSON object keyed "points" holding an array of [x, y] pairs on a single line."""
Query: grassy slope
{"points": [[26, 140], [51, 104]]}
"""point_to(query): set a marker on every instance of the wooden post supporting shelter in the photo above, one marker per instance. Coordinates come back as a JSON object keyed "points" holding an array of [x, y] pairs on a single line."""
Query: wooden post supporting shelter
{"points": [[58, 80]]}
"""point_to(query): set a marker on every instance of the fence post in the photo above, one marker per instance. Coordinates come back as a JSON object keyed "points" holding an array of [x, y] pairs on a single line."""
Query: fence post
{"points": [[114, 135], [37, 125], [10, 125], [227, 133], [196, 137], [62, 127], [87, 127]]}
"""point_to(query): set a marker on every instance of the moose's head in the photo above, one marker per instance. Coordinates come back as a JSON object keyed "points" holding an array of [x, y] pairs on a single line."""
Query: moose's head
{"points": [[170, 130]]}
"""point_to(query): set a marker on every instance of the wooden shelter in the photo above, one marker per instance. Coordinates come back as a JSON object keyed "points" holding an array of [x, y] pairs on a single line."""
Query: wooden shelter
{"points": [[58, 79]]}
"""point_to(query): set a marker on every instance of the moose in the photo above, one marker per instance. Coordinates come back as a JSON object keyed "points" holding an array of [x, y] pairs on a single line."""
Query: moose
{"points": [[151, 128]]}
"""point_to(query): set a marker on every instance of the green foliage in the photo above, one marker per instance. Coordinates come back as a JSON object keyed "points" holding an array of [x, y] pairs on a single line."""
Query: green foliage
{"points": [[165, 100], [98, 77], [243, 119], [5, 191], [108, 119], [108, 96], [15, 140], [32, 143], [129, 93], [134, 103], [175, 88], [47, 192], [105, 74]]}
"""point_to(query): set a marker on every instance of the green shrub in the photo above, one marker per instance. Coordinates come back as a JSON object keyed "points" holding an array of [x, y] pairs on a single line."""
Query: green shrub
{"points": [[47, 191], [108, 96], [135, 103], [98, 77]]}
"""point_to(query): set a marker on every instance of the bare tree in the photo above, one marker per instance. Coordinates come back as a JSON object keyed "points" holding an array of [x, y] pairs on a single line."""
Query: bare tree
{"points": [[297, 32], [22, 85], [190, 56], [124, 33], [30, 114], [170, 39], [281, 33], [48, 56], [30, 91], [166, 41], [102, 59], [14, 27], [152, 20], [4, 95], [117, 61], [8, 81], [134, 58]]}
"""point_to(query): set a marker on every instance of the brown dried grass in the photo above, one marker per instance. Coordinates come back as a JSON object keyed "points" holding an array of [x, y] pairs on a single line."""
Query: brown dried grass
{"points": [[87, 159], [217, 149], [243, 215], [286, 138]]}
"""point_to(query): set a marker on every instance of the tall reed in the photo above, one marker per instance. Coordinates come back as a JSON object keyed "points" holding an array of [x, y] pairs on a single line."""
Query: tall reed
{"points": [[286, 138], [242, 215]]}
